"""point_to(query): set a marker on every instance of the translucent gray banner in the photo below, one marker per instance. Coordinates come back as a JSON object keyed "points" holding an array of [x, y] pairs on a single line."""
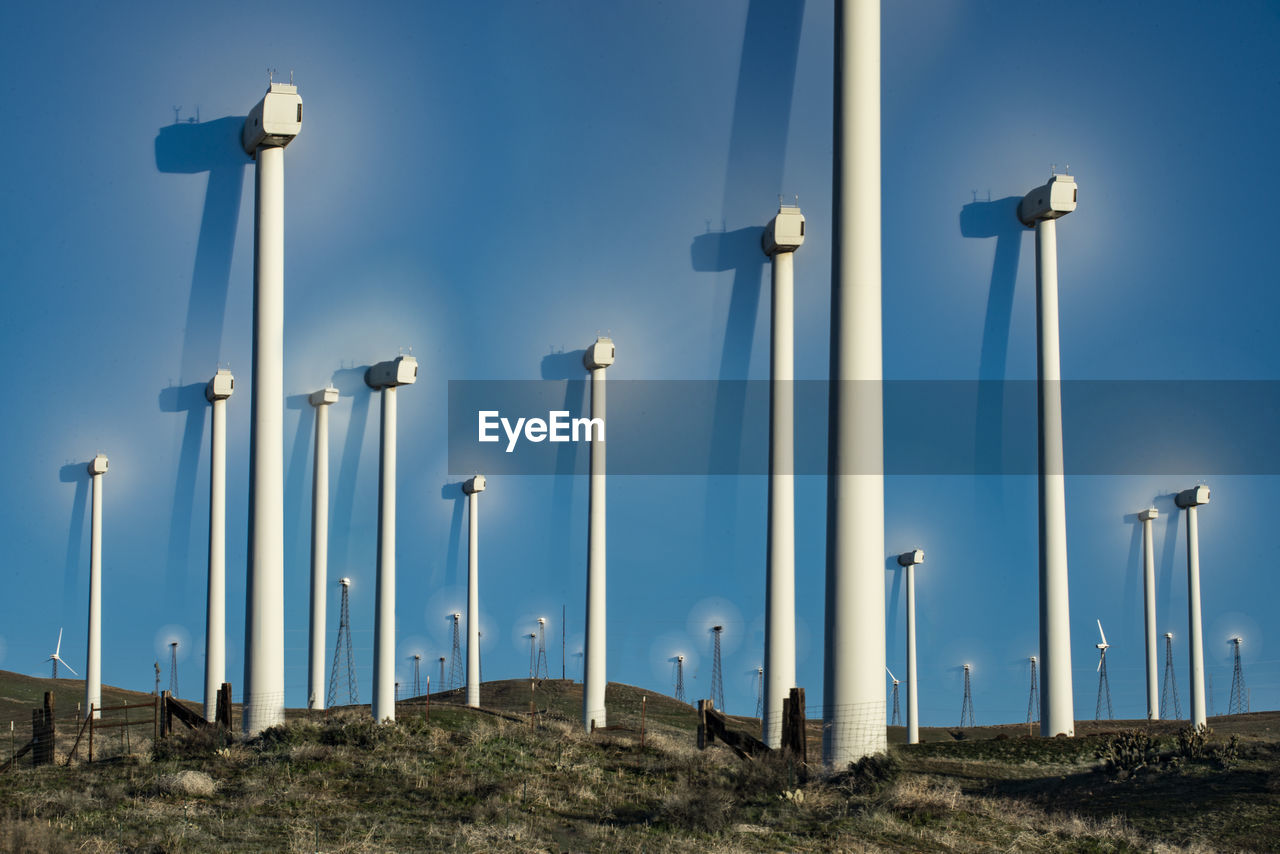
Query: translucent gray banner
{"points": [[703, 427]]}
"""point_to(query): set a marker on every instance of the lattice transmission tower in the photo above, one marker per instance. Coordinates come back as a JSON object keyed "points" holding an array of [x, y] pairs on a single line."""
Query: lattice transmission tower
{"points": [[680, 678], [966, 709], [1033, 698], [1239, 702], [441, 682], [173, 668], [336, 674], [1170, 688], [417, 685], [759, 691], [455, 661], [717, 675], [533, 651]]}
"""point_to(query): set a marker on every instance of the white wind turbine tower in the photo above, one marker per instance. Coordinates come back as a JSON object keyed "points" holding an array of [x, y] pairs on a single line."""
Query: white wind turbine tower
{"points": [[321, 400], [473, 488], [782, 237], [272, 124], [1040, 209], [1104, 685], [1149, 613], [216, 392], [1189, 500], [93, 660], [56, 657], [909, 561], [598, 357], [853, 707], [387, 377]]}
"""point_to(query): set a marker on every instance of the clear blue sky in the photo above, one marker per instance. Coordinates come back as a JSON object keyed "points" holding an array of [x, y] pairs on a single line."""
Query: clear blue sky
{"points": [[491, 182]]}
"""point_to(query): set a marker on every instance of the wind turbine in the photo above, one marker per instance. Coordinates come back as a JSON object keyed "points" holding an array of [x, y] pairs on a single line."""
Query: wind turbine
{"points": [[55, 658], [853, 689], [321, 400], [781, 238], [472, 488], [272, 124], [1040, 209], [387, 377], [897, 713], [219, 388], [1188, 500], [93, 660], [599, 356], [1104, 687]]}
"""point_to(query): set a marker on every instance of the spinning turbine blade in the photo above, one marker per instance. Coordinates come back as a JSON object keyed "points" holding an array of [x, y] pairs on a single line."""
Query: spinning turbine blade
{"points": [[1102, 633], [68, 666]]}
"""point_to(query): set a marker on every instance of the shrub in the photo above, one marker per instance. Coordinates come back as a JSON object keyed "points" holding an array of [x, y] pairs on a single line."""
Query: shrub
{"points": [[1193, 742], [1126, 752]]}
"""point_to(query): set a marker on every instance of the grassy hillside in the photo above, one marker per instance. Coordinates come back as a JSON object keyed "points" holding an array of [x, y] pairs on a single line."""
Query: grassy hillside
{"points": [[494, 780]]}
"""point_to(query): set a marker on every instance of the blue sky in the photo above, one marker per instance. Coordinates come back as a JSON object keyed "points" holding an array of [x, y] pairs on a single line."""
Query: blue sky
{"points": [[491, 183]]}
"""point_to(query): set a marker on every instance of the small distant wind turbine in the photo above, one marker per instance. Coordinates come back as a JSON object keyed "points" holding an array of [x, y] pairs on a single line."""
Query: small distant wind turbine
{"points": [[897, 712], [1104, 687], [55, 658]]}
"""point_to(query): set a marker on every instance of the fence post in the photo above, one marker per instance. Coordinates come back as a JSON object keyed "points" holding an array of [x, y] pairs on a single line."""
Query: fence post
{"points": [[643, 701], [91, 733]]}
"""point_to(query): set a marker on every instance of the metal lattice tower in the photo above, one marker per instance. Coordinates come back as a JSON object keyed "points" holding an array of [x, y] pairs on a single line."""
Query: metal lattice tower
{"points": [[966, 709], [759, 691], [540, 668], [343, 642], [1239, 702], [533, 651], [717, 675], [1033, 699], [456, 663], [1170, 687], [680, 678], [417, 685], [441, 682], [896, 720], [1104, 689], [157, 679], [173, 668]]}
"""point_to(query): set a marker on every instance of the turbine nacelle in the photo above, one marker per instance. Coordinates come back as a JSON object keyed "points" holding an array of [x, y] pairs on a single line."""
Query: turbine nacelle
{"points": [[273, 121], [911, 558], [599, 355], [98, 465], [402, 370], [1193, 497], [473, 485], [220, 387], [324, 397], [785, 232], [1049, 201], [1148, 514]]}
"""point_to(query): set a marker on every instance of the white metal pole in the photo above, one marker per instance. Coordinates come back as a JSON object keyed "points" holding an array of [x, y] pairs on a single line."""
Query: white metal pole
{"points": [[321, 400], [93, 660], [264, 622], [598, 357], [1149, 613], [215, 622], [1198, 716], [384, 619], [913, 713], [780, 592], [1057, 714], [475, 485], [853, 710]]}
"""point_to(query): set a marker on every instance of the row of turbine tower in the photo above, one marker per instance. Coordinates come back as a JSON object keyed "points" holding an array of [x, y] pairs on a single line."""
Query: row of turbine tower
{"points": [[854, 704]]}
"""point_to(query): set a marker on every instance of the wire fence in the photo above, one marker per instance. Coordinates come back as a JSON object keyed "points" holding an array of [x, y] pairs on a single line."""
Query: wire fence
{"points": [[852, 731]]}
